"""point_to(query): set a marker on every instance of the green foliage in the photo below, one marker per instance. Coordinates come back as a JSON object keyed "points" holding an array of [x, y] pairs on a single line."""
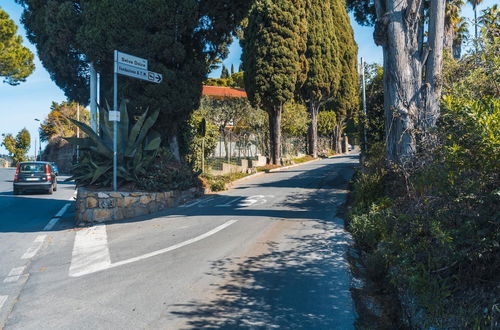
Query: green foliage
{"points": [[17, 147], [236, 80], [436, 227], [220, 182], [327, 121], [323, 53], [274, 46], [181, 40], [224, 73], [374, 121], [165, 174], [58, 122], [138, 146], [193, 141], [346, 100], [273, 52], [16, 61], [294, 119]]}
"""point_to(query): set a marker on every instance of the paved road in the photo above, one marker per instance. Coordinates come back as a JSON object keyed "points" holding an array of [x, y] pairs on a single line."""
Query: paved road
{"points": [[269, 253], [22, 220]]}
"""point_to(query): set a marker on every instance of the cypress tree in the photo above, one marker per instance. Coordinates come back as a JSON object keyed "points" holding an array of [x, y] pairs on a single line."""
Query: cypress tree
{"points": [[323, 59], [273, 59], [346, 101], [232, 69], [224, 73]]}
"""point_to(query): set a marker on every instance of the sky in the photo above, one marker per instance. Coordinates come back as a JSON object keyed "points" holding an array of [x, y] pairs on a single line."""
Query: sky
{"points": [[20, 105]]}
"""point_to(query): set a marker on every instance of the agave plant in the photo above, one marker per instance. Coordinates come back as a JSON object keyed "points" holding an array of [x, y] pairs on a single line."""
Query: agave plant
{"points": [[137, 144]]}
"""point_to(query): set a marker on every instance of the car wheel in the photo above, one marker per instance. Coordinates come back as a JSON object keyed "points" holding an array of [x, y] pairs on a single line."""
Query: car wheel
{"points": [[16, 191], [51, 189]]}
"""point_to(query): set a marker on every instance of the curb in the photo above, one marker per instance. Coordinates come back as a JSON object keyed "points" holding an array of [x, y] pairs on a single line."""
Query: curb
{"points": [[246, 177], [291, 166]]}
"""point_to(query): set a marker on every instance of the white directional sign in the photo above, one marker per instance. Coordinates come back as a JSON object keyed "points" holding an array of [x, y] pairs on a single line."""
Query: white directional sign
{"points": [[134, 72], [131, 60]]}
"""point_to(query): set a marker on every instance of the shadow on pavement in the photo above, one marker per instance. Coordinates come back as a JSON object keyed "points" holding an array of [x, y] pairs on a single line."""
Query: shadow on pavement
{"points": [[303, 287]]}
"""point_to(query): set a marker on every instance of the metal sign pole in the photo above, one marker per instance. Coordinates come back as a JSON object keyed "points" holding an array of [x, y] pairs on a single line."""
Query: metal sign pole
{"points": [[115, 133]]}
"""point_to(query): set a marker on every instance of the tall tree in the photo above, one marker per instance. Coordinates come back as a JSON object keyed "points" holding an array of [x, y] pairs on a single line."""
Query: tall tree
{"points": [[452, 22], [274, 45], [412, 67], [17, 147], [224, 73], [181, 39], [323, 58], [16, 61], [474, 4], [346, 101], [232, 69]]}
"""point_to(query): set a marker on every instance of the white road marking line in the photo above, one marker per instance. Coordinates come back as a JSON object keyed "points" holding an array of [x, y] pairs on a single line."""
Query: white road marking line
{"points": [[33, 250], [197, 202], [228, 204], [51, 224], [62, 210], [14, 274], [83, 264], [3, 299], [90, 252], [56, 218]]}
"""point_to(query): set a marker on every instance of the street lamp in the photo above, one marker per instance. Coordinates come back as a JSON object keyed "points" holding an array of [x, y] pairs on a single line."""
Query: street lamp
{"points": [[39, 143]]}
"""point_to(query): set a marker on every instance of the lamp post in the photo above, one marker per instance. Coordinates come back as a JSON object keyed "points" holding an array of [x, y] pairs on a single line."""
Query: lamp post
{"points": [[39, 144]]}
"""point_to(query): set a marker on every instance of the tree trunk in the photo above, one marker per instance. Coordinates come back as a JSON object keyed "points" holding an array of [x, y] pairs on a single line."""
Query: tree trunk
{"points": [[312, 133], [338, 136], [275, 134], [400, 31], [434, 65]]}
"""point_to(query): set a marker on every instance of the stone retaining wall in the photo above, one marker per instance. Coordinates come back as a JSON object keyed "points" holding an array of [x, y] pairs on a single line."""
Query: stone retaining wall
{"points": [[100, 206]]}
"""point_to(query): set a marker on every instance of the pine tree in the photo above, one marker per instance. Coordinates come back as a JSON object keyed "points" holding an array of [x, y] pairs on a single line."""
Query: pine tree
{"points": [[273, 59], [16, 61], [324, 65], [224, 73]]}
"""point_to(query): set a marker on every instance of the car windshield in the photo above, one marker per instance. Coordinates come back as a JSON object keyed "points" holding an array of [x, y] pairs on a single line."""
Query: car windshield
{"points": [[32, 168]]}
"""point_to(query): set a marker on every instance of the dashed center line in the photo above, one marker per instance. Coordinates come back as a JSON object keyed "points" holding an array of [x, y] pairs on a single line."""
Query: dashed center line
{"points": [[33, 250], [14, 275]]}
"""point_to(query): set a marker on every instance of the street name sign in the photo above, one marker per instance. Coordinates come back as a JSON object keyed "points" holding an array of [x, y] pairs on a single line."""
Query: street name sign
{"points": [[131, 60], [135, 67], [137, 73]]}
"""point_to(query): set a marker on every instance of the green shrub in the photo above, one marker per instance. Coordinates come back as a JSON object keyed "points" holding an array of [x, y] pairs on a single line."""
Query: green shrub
{"points": [[138, 145]]}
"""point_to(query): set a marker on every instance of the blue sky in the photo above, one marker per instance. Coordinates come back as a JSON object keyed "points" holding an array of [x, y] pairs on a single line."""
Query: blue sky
{"points": [[21, 105]]}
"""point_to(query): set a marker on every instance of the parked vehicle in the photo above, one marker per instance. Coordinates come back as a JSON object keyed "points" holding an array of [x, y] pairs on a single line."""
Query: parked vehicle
{"points": [[35, 176], [56, 169]]}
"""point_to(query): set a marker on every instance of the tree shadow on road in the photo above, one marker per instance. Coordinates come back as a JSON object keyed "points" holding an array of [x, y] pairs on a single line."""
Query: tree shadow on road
{"points": [[304, 286]]}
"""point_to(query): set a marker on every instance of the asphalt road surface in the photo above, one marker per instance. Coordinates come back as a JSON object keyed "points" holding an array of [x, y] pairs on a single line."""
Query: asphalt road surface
{"points": [[22, 222], [269, 253]]}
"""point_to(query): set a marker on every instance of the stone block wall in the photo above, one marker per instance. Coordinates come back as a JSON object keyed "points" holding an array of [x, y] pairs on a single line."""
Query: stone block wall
{"points": [[100, 206]]}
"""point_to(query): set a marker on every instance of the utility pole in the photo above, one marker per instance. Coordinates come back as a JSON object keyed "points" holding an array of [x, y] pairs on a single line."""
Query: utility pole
{"points": [[363, 91], [93, 98], [77, 132]]}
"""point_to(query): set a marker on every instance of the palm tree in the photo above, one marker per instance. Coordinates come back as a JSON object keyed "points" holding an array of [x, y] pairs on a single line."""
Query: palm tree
{"points": [[452, 20], [460, 34], [474, 4]]}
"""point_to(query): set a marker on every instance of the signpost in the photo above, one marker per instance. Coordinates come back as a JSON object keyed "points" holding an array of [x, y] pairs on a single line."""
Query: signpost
{"points": [[135, 67]]}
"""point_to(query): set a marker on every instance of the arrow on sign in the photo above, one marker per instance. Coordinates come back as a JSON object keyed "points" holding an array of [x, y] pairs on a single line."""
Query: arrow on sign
{"points": [[155, 77]]}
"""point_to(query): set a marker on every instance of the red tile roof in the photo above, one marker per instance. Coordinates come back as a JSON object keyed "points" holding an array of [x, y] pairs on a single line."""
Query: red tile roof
{"points": [[223, 91]]}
